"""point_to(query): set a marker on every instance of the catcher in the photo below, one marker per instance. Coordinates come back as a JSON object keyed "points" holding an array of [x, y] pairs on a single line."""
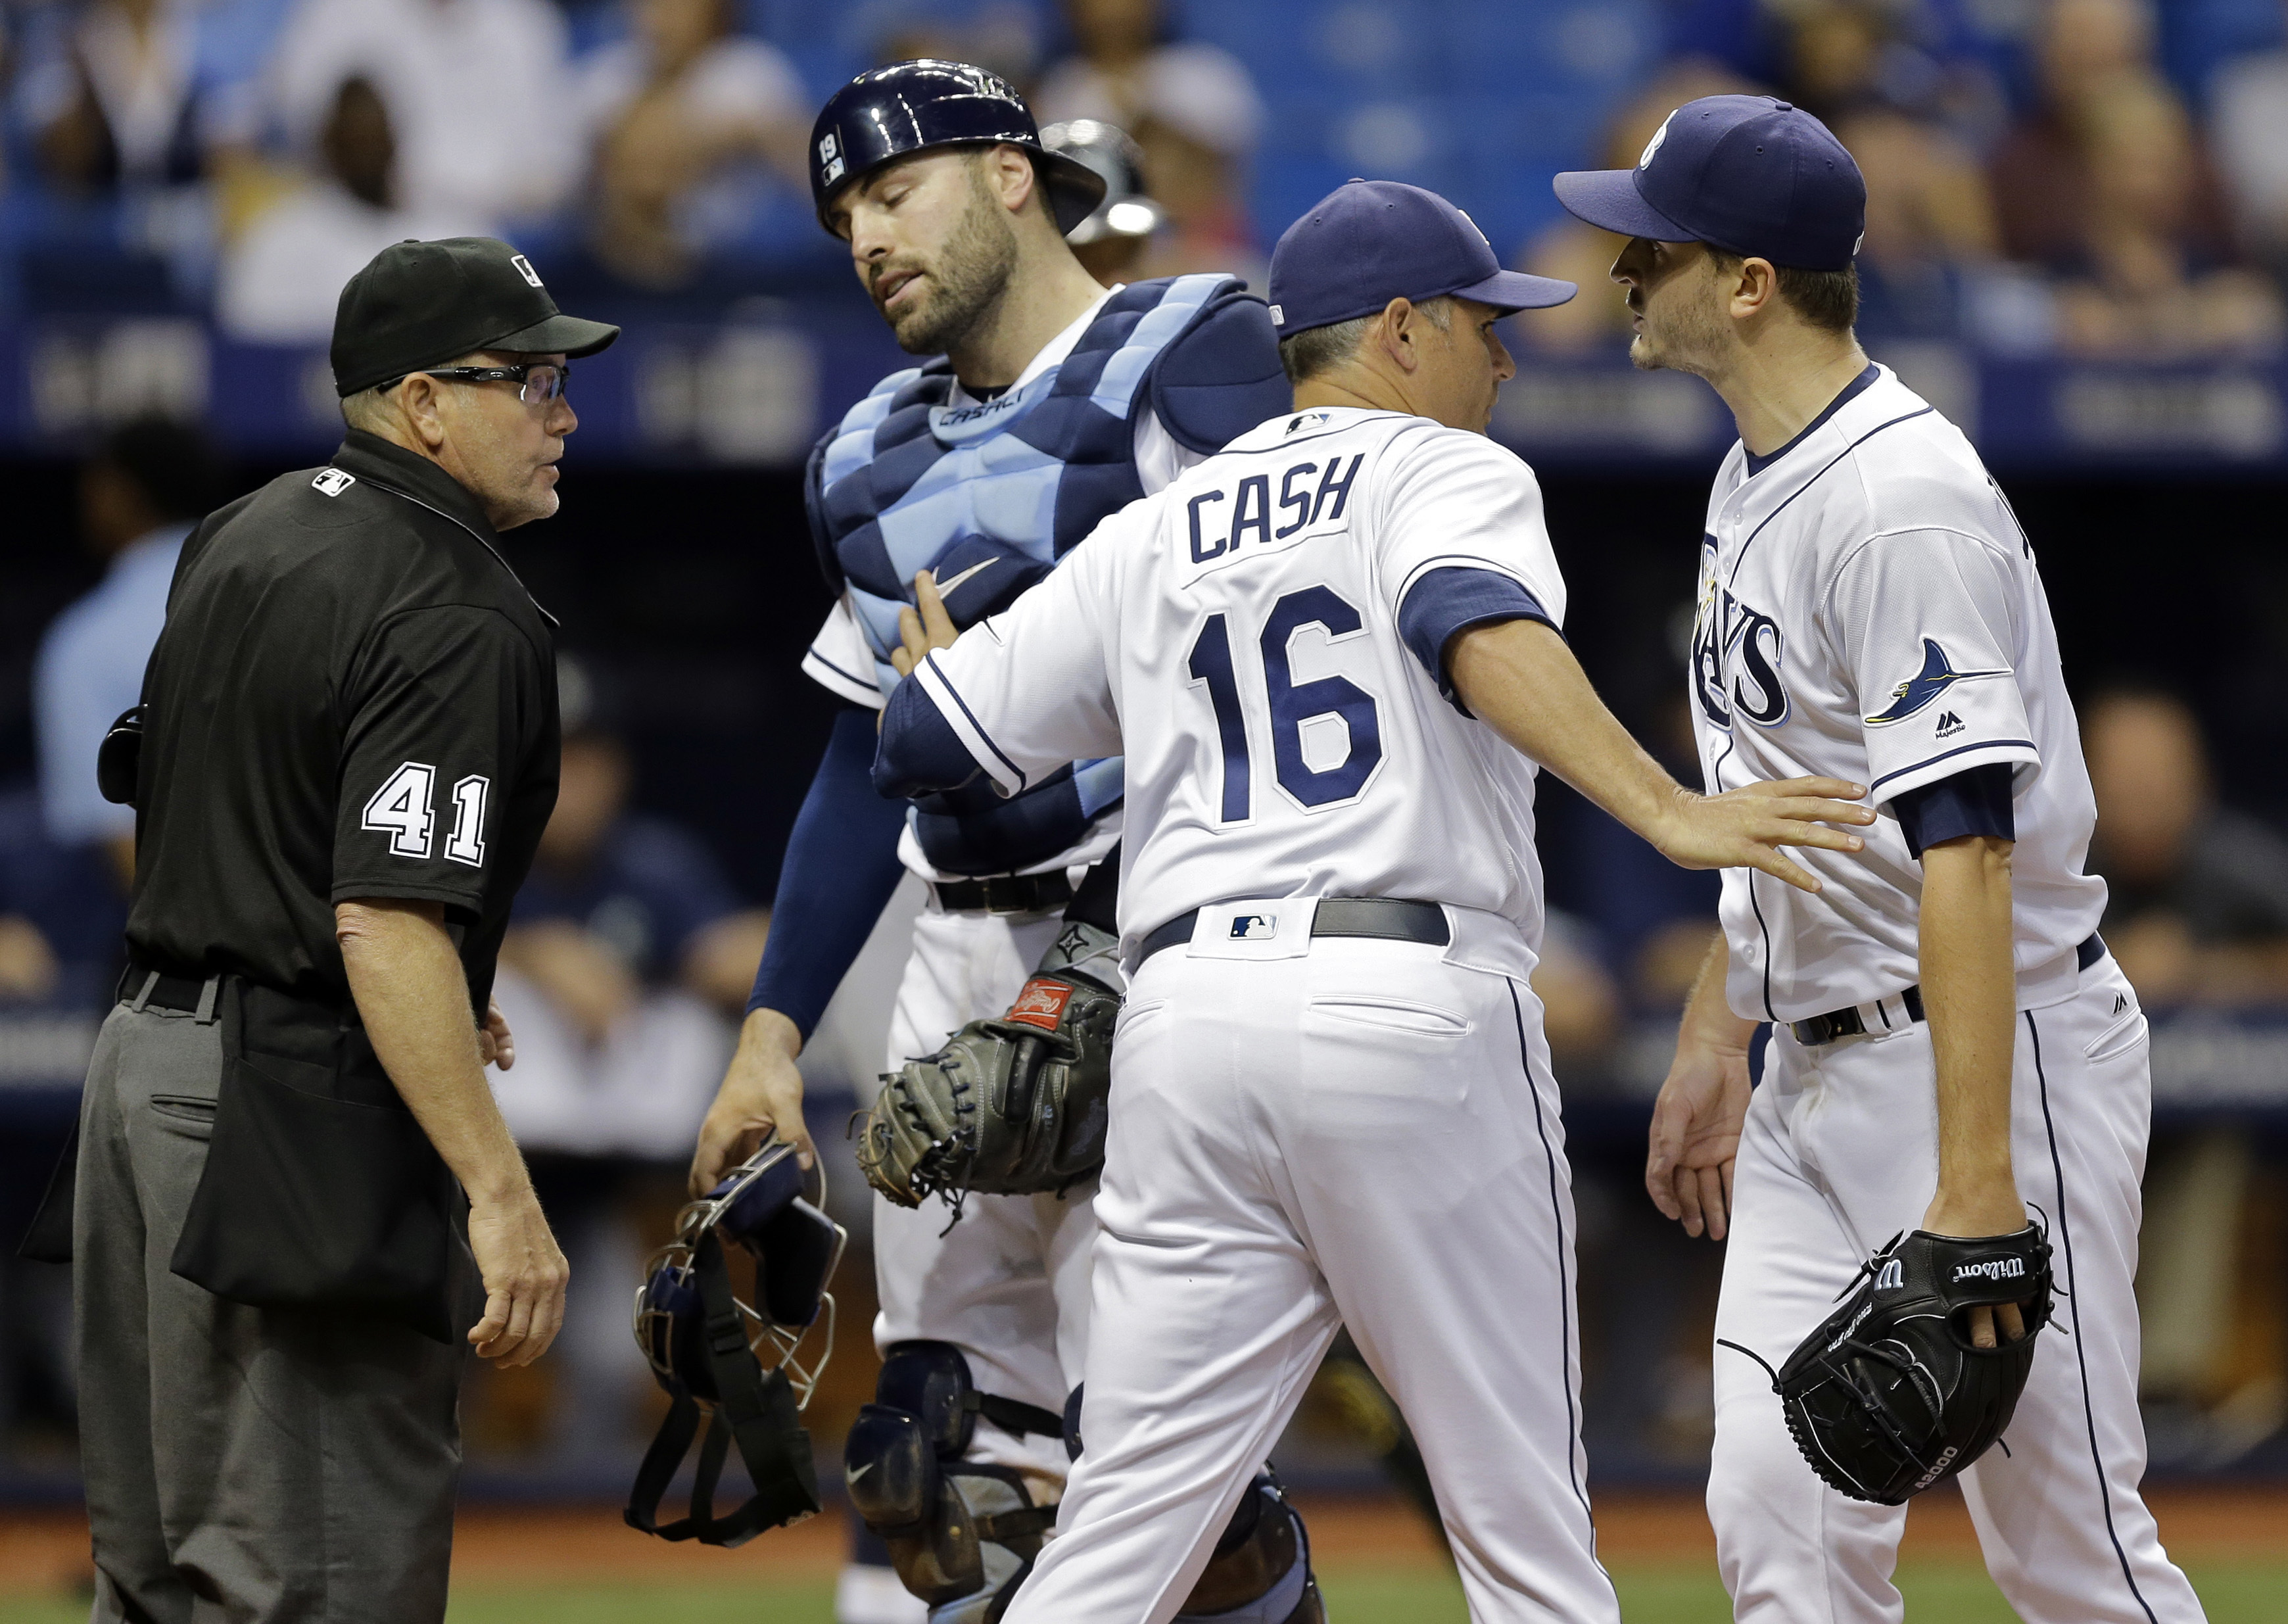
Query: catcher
{"points": [[1951, 1044]]}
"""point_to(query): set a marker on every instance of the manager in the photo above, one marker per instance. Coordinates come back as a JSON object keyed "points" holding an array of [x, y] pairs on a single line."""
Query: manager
{"points": [[296, 1204]]}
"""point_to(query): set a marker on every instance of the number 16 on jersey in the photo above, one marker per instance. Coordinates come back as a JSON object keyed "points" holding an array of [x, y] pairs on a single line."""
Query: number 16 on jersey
{"points": [[1306, 720]]}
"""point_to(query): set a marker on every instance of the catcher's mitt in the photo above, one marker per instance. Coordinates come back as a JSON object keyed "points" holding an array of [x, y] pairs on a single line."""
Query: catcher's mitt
{"points": [[1013, 1105], [1890, 1395]]}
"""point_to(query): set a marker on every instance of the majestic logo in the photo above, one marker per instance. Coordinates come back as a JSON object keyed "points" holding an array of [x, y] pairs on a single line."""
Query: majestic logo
{"points": [[2120, 1002], [830, 158], [1938, 675], [1992, 1268], [524, 269], [1658, 136], [1949, 724], [1892, 1277], [1041, 1002], [1735, 661], [1254, 927], [332, 481]]}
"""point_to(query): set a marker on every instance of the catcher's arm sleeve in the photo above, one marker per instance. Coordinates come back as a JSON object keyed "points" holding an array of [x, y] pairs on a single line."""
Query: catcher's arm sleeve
{"points": [[841, 865]]}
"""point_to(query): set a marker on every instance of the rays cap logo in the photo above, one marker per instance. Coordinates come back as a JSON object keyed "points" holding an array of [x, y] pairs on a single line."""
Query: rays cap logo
{"points": [[1753, 175], [1938, 675], [1653, 146]]}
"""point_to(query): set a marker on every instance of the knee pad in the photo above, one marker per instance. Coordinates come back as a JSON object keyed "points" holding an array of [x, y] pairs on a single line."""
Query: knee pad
{"points": [[960, 1533], [1261, 1570]]}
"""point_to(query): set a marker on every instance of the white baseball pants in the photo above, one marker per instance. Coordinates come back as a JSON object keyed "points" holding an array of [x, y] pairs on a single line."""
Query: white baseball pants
{"points": [[1361, 1134], [1839, 1154], [1008, 1284]]}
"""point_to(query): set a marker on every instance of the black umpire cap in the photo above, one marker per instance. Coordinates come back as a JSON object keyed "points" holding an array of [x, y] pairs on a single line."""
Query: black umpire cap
{"points": [[420, 305]]}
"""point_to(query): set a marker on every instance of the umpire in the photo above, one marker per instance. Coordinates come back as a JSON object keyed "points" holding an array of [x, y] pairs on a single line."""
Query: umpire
{"points": [[348, 751]]}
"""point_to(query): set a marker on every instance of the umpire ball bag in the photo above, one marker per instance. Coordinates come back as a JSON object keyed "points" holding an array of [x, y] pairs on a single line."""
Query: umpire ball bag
{"points": [[739, 1365]]}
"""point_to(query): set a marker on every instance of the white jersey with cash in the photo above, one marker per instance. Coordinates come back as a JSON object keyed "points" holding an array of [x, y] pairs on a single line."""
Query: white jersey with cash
{"points": [[1870, 609], [1250, 639], [1305, 1114]]}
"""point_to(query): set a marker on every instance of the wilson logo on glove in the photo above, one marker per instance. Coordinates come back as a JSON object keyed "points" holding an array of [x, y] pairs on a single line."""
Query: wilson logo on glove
{"points": [[1041, 1002], [1893, 1393]]}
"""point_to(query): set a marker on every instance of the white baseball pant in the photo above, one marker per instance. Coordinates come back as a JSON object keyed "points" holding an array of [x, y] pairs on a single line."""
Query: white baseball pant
{"points": [[1363, 1134], [1008, 1284], [1840, 1153]]}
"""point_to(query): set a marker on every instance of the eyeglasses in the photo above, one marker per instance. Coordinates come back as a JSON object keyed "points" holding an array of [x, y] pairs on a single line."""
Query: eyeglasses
{"points": [[538, 382]]}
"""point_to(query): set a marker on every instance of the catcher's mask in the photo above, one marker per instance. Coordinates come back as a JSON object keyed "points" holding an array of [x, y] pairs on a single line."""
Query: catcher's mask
{"points": [[742, 1365]]}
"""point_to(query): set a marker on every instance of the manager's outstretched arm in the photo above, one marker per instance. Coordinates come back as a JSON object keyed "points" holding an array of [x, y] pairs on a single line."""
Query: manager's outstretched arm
{"points": [[1519, 677]]}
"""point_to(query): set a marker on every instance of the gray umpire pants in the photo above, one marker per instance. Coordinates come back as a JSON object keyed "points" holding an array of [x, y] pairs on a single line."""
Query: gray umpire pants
{"points": [[260, 1466]]}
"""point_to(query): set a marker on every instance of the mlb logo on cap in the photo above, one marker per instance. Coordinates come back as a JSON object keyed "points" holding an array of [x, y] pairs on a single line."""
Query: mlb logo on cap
{"points": [[1753, 175]]}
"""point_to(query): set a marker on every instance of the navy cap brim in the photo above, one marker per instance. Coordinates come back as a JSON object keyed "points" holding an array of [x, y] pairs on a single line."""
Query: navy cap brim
{"points": [[1609, 198], [1516, 290]]}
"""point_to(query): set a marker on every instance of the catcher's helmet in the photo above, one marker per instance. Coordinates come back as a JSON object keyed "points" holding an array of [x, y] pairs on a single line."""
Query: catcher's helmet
{"points": [[911, 106], [737, 1363], [1127, 210]]}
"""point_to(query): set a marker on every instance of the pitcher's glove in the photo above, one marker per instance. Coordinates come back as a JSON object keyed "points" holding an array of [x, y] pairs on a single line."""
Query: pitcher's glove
{"points": [[1013, 1105], [1890, 1395]]}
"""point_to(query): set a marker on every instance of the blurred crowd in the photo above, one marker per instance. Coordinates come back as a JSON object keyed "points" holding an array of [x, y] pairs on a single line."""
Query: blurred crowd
{"points": [[249, 155], [2092, 178], [2073, 197]]}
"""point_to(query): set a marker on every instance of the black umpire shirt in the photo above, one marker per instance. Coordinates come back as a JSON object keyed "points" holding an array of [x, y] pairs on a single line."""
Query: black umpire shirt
{"points": [[353, 698]]}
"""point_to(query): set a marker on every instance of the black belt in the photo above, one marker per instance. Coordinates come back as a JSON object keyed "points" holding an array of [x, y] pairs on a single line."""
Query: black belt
{"points": [[1006, 894], [173, 989], [1382, 918], [1845, 1022]]}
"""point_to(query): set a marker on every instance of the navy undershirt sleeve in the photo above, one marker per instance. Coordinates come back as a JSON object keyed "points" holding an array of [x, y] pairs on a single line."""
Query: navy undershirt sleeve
{"points": [[841, 866], [919, 752], [1453, 599], [1976, 800]]}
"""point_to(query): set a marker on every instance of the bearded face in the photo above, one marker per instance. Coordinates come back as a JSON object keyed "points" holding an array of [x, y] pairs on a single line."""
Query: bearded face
{"points": [[956, 252]]}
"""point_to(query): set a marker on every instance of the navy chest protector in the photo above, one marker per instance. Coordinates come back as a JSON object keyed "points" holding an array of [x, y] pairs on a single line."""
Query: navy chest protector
{"points": [[988, 497], [739, 1365]]}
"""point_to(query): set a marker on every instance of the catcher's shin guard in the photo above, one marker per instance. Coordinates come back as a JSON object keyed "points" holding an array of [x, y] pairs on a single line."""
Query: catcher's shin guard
{"points": [[1261, 1570], [960, 1532]]}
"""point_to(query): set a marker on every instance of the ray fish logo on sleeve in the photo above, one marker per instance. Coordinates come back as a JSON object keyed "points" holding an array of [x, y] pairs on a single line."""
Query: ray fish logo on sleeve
{"points": [[1938, 675]]}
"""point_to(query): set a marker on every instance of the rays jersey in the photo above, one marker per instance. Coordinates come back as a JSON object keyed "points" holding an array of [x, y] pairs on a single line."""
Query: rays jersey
{"points": [[1263, 642], [1870, 609]]}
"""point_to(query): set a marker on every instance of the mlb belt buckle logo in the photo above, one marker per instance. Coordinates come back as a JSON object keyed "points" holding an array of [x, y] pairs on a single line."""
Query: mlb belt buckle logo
{"points": [[1254, 927], [1041, 1003], [332, 481]]}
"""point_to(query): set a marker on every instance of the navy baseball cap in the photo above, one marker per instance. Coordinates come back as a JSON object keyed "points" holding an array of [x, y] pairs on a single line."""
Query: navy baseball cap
{"points": [[1369, 241], [1754, 175]]}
